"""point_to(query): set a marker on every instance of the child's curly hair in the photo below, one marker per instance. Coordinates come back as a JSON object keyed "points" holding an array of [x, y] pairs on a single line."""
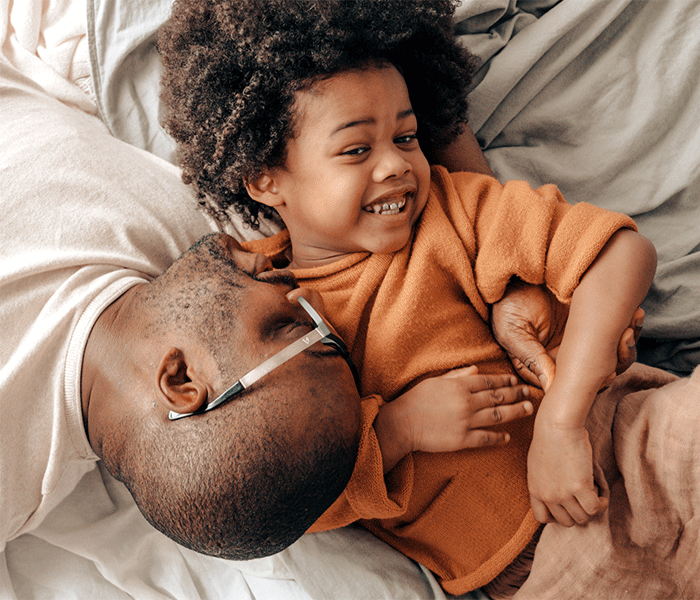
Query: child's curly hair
{"points": [[232, 68]]}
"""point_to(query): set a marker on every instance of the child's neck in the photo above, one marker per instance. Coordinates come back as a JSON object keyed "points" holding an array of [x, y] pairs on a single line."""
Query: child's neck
{"points": [[305, 257]]}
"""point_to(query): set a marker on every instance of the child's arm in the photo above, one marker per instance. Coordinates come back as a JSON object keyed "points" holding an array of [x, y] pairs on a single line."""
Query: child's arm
{"points": [[560, 472], [448, 413], [528, 323]]}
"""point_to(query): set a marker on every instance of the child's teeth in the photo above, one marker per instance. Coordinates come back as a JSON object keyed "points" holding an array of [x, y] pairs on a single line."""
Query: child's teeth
{"points": [[386, 207]]}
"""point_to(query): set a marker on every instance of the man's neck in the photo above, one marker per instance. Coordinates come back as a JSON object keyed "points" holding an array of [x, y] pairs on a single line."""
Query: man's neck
{"points": [[108, 337]]}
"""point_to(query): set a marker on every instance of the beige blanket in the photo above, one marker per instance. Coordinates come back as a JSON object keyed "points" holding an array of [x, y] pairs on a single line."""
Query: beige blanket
{"points": [[647, 546]]}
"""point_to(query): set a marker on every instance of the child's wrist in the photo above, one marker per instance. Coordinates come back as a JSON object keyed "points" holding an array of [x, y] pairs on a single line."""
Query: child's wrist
{"points": [[566, 406]]}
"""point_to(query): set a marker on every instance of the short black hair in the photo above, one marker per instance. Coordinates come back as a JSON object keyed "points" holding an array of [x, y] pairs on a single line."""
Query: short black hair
{"points": [[232, 69], [248, 479], [233, 484]]}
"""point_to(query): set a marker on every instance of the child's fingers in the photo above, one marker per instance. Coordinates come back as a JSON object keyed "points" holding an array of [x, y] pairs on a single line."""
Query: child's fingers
{"points": [[561, 515], [480, 438], [462, 372], [540, 511], [578, 512], [575, 510], [493, 415], [591, 504]]}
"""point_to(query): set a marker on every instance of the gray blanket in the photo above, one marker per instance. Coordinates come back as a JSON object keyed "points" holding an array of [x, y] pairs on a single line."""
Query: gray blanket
{"points": [[601, 97]]}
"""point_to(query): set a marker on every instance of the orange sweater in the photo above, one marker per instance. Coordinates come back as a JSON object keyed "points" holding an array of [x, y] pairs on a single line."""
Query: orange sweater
{"points": [[423, 311]]}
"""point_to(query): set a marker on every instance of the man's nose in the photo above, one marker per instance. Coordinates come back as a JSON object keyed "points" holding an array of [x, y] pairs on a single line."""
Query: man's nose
{"points": [[391, 163], [249, 262], [253, 263]]}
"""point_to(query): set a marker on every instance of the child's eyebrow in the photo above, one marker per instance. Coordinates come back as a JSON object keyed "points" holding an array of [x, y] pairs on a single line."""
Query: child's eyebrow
{"points": [[370, 121]]}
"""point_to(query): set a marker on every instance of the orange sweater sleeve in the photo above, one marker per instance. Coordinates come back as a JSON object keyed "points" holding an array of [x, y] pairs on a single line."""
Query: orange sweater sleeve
{"points": [[533, 234], [366, 496]]}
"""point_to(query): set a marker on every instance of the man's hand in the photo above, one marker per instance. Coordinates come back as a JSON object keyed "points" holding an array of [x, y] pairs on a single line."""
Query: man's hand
{"points": [[528, 322], [451, 412]]}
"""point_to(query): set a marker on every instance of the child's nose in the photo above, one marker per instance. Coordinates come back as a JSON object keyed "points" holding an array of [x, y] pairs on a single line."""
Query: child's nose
{"points": [[391, 163]]}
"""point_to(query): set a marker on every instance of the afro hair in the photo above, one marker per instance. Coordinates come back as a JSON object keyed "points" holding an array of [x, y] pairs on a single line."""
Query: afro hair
{"points": [[232, 69]]}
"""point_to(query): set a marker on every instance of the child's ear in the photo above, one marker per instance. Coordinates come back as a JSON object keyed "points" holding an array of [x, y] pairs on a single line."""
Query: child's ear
{"points": [[265, 190]]}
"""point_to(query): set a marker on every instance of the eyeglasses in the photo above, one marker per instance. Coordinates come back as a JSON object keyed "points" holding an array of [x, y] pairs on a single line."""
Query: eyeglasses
{"points": [[321, 333]]}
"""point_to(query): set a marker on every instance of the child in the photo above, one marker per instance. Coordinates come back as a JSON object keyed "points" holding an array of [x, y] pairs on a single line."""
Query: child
{"points": [[313, 111]]}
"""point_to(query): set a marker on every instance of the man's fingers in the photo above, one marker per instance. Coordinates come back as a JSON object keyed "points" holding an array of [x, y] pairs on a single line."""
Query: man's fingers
{"points": [[526, 351], [637, 323], [538, 371], [627, 349], [543, 368], [480, 383], [506, 394]]}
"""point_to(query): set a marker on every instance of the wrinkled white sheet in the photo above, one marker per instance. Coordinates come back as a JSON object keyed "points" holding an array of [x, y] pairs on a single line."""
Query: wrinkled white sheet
{"points": [[599, 96], [46, 41], [96, 544]]}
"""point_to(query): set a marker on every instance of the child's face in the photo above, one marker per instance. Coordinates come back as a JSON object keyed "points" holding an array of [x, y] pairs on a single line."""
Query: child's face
{"points": [[355, 178]]}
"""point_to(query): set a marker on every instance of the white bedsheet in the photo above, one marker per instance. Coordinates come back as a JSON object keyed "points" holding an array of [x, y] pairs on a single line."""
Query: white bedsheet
{"points": [[599, 96], [96, 545], [46, 41]]}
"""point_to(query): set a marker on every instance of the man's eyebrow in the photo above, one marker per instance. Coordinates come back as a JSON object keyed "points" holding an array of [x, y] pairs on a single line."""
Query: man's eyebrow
{"points": [[370, 120]]}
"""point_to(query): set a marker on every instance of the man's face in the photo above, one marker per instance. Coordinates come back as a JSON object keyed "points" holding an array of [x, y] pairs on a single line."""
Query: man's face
{"points": [[355, 178], [253, 316]]}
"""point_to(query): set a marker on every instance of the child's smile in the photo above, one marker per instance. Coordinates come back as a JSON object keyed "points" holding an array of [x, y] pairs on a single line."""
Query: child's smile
{"points": [[355, 178], [391, 204]]}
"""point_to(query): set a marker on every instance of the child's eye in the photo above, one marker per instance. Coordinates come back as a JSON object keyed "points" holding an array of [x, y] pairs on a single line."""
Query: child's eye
{"points": [[355, 151], [406, 139]]}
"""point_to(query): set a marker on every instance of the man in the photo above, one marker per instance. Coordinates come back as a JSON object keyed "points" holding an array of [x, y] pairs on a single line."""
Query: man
{"points": [[98, 348]]}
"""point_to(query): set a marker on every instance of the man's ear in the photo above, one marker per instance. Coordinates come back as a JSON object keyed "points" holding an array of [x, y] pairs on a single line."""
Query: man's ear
{"points": [[265, 190], [181, 387]]}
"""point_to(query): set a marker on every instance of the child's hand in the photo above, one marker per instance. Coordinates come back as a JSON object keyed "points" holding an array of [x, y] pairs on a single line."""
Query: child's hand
{"points": [[560, 476], [450, 412]]}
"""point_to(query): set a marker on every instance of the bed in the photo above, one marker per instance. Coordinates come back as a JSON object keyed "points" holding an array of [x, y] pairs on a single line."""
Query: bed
{"points": [[598, 96]]}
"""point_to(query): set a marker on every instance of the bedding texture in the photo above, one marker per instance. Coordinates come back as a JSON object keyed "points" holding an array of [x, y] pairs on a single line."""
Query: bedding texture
{"points": [[598, 96]]}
